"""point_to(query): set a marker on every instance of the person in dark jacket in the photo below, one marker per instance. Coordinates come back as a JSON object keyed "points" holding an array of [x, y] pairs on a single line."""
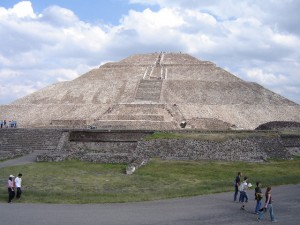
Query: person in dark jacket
{"points": [[258, 197], [236, 185]]}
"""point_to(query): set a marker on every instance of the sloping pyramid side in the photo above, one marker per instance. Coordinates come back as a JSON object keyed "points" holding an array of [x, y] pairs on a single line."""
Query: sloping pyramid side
{"points": [[153, 91]]}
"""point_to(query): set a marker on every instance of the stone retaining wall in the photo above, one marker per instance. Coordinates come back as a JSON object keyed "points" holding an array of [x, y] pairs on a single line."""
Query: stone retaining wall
{"points": [[18, 142], [249, 149], [291, 140], [129, 146]]}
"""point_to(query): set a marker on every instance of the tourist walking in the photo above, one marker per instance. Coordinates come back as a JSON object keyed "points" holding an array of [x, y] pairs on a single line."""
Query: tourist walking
{"points": [[237, 183], [268, 206], [11, 188], [244, 196], [258, 197], [18, 183]]}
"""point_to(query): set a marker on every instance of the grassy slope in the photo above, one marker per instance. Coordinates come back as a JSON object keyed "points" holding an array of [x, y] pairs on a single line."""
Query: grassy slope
{"points": [[82, 182]]}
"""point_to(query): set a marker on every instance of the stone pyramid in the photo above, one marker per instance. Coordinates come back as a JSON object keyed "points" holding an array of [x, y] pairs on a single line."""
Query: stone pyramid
{"points": [[153, 91]]}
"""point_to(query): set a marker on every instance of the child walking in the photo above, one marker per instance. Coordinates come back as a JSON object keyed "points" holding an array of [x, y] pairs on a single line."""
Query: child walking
{"points": [[244, 196]]}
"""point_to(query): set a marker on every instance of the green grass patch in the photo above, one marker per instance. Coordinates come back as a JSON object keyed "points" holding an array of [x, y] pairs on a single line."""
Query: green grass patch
{"points": [[290, 132], [210, 136], [83, 182]]}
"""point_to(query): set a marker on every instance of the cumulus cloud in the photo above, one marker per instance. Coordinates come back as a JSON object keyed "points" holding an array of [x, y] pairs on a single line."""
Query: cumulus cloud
{"points": [[250, 38], [21, 10], [260, 76], [38, 50]]}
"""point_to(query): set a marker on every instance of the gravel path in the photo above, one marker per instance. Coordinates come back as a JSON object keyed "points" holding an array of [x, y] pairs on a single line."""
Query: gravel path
{"points": [[214, 209]]}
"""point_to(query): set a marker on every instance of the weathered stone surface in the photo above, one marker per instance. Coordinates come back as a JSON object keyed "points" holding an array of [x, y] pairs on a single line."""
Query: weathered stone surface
{"points": [[279, 125], [52, 157], [231, 150], [154, 92], [55, 145], [294, 150], [17, 142], [132, 167]]}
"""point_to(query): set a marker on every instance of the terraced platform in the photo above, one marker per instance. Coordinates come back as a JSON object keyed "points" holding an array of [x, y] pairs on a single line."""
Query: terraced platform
{"points": [[153, 91]]}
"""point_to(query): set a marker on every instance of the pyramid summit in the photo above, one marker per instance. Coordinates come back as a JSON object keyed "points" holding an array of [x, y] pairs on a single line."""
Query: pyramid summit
{"points": [[153, 91]]}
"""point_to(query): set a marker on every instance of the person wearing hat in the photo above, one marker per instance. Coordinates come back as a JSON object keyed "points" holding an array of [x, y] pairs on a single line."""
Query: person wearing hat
{"points": [[18, 183], [11, 188]]}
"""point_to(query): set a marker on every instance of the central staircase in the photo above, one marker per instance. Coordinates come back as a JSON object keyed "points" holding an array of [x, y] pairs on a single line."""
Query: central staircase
{"points": [[136, 116], [149, 90]]}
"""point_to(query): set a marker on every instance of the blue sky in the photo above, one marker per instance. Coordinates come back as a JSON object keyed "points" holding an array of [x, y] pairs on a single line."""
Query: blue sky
{"points": [[45, 42], [106, 11]]}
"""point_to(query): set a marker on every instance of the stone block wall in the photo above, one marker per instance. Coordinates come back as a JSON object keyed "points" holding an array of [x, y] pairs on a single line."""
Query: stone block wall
{"points": [[129, 146], [248, 149], [17, 142], [292, 140]]}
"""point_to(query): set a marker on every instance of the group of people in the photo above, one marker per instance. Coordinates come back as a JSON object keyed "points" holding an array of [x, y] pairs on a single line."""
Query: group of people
{"points": [[10, 124], [241, 186], [13, 185]]}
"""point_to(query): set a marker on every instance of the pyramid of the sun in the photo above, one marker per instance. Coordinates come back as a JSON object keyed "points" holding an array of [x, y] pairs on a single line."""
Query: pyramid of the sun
{"points": [[153, 91]]}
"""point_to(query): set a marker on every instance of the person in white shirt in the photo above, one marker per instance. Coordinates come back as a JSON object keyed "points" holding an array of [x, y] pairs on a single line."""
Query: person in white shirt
{"points": [[244, 198], [18, 184]]}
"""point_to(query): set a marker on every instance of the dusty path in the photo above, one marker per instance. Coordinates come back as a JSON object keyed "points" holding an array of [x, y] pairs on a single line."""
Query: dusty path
{"points": [[212, 209], [26, 159]]}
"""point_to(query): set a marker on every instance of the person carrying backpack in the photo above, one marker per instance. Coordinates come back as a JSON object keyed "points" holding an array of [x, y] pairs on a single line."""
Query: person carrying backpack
{"points": [[258, 197]]}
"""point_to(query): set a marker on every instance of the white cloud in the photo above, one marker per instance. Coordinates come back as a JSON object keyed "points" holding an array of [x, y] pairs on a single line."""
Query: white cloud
{"points": [[60, 17], [265, 78], [21, 10], [250, 38]]}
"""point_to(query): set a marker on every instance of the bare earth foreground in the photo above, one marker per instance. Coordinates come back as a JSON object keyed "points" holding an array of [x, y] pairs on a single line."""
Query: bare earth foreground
{"points": [[210, 209]]}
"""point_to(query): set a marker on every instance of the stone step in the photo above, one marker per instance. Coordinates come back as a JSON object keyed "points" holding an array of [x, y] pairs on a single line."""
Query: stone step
{"points": [[118, 138], [149, 90], [105, 147], [20, 141], [151, 117], [150, 84], [146, 97], [138, 108], [33, 148], [133, 124]]}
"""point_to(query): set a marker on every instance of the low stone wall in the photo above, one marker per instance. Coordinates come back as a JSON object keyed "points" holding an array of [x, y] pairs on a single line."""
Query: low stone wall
{"points": [[129, 146], [290, 140], [249, 149], [52, 157], [107, 136], [17, 142], [118, 158]]}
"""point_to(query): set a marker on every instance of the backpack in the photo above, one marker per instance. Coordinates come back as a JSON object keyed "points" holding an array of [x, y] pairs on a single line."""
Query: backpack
{"points": [[258, 196]]}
